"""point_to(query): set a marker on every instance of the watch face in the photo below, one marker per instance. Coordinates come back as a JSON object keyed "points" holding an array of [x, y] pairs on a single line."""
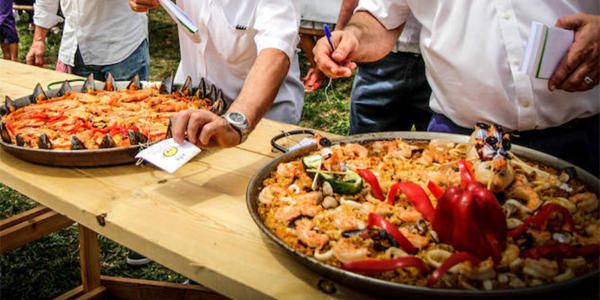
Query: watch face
{"points": [[237, 117]]}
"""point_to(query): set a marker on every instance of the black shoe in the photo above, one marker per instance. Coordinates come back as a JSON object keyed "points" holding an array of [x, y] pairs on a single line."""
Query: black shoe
{"points": [[136, 259]]}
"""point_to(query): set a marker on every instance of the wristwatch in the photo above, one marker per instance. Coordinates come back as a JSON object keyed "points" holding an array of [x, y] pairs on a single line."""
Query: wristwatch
{"points": [[239, 122]]}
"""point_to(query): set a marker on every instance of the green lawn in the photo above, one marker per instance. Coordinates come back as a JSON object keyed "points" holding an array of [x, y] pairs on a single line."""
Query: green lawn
{"points": [[49, 266]]}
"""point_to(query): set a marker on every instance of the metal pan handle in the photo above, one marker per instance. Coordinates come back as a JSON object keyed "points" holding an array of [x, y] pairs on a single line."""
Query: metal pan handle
{"points": [[284, 134], [51, 84]]}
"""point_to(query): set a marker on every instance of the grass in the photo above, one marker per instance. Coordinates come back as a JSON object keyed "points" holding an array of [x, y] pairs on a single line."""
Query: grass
{"points": [[50, 266]]}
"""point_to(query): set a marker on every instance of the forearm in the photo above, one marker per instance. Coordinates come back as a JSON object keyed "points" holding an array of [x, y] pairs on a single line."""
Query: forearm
{"points": [[40, 34], [346, 11], [374, 39], [262, 85]]}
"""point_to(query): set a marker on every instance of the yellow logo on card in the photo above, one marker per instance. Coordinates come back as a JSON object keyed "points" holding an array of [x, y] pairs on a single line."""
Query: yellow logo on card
{"points": [[170, 152]]}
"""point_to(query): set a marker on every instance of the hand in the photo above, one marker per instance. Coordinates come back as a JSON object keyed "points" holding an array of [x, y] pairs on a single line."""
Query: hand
{"points": [[336, 64], [35, 56], [204, 129], [143, 5], [313, 80], [583, 58]]}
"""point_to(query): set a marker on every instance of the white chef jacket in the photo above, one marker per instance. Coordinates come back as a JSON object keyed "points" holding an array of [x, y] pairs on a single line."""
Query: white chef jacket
{"points": [[106, 31], [473, 49], [232, 33]]}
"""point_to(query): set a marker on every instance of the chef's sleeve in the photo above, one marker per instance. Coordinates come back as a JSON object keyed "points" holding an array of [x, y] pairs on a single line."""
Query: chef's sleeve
{"points": [[277, 23], [45, 13], [390, 13]]}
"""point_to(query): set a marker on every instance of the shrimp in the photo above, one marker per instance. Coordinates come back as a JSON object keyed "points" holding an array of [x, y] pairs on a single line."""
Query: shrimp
{"points": [[403, 150], [521, 190], [587, 201], [269, 193], [384, 147], [308, 236], [416, 240], [409, 214], [346, 251], [345, 220], [355, 150], [287, 213], [309, 203], [290, 170]]}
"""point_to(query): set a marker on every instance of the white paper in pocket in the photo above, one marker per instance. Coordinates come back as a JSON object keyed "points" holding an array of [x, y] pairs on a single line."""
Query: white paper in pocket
{"points": [[182, 19]]}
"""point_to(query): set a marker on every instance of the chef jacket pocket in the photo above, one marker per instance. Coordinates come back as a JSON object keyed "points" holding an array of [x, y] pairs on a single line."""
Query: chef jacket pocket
{"points": [[235, 43]]}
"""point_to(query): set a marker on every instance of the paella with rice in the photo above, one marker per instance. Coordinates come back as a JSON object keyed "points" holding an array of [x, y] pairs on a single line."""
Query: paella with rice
{"points": [[435, 213]]}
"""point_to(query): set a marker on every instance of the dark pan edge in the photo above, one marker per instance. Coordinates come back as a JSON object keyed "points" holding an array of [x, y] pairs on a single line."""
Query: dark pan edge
{"points": [[386, 288]]}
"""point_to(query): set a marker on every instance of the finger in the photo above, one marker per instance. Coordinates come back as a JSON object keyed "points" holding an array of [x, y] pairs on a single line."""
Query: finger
{"points": [[584, 86], [574, 80], [323, 60], [569, 22], [39, 60], [197, 120], [568, 64], [208, 132], [346, 46], [29, 58], [179, 125]]}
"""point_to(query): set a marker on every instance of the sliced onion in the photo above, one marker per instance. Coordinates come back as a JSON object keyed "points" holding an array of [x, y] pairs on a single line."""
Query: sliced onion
{"points": [[323, 256]]}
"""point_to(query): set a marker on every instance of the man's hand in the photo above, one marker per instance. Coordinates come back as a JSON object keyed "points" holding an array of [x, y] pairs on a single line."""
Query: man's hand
{"points": [[338, 63], [143, 5], [204, 129], [579, 70], [35, 56]]}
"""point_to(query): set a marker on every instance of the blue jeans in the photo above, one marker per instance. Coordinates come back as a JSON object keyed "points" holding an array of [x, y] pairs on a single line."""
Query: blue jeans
{"points": [[391, 94], [577, 142], [136, 63]]}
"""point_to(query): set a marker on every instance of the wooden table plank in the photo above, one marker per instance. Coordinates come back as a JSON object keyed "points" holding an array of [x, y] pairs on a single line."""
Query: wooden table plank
{"points": [[194, 222]]}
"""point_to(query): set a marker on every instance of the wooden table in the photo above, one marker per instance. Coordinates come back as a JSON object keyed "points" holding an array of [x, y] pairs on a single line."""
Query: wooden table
{"points": [[194, 222]]}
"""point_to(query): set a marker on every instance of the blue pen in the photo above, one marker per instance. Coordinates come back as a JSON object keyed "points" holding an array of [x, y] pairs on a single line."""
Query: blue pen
{"points": [[328, 35]]}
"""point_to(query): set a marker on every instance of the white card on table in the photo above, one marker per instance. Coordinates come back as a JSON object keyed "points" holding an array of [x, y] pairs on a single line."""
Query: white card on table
{"points": [[168, 155]]}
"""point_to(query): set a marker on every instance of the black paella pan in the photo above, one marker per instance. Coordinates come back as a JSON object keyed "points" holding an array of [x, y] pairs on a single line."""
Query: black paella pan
{"points": [[373, 286], [97, 157]]}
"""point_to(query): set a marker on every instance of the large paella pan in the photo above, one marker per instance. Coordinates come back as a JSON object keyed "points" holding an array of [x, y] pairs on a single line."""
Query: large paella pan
{"points": [[98, 124], [430, 214]]}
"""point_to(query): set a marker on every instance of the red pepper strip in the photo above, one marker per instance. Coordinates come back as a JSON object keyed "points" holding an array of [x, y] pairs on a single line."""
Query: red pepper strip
{"points": [[418, 198], [370, 178], [444, 219], [542, 217], [392, 193], [466, 172], [492, 221], [57, 119], [373, 266], [381, 222], [562, 251], [436, 190], [453, 260]]}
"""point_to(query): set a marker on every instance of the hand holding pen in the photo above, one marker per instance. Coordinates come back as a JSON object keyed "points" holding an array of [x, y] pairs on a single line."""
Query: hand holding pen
{"points": [[332, 60]]}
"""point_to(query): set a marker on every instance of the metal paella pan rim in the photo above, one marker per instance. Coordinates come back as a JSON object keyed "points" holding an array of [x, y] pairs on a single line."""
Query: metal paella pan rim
{"points": [[363, 283], [106, 156]]}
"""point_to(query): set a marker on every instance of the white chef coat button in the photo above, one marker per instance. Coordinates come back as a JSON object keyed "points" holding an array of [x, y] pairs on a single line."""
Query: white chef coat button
{"points": [[506, 15]]}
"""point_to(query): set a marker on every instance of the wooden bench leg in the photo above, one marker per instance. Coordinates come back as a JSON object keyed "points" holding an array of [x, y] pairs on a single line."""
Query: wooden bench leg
{"points": [[29, 226], [89, 261]]}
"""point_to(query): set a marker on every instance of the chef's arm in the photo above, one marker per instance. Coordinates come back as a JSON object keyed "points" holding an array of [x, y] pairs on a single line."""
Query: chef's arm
{"points": [[261, 85], [45, 16], [346, 11]]}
